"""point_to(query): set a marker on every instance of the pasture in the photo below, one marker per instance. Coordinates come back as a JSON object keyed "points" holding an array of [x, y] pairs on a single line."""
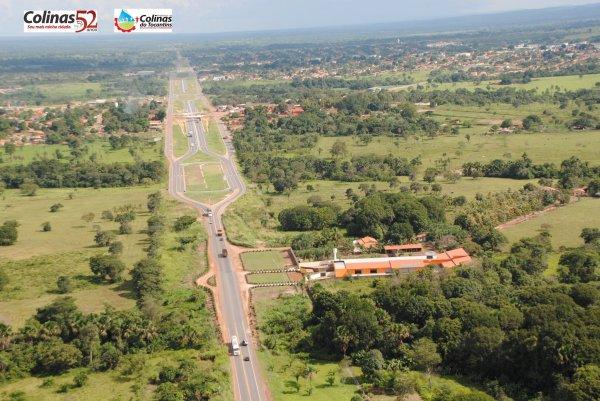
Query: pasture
{"points": [[564, 224], [540, 147], [100, 148], [566, 82]]}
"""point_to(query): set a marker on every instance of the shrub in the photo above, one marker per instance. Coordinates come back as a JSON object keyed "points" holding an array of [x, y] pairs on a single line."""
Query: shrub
{"points": [[125, 227], [80, 379], [29, 188], [107, 267], [3, 279], [183, 222], [8, 232], [104, 238], [63, 284], [115, 248], [56, 207], [46, 226]]}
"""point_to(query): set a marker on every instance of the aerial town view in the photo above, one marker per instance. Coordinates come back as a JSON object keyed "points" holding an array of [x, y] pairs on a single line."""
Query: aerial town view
{"points": [[260, 200]]}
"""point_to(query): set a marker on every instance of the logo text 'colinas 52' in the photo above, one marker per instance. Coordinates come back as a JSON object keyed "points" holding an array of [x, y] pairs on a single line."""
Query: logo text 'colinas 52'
{"points": [[61, 21]]}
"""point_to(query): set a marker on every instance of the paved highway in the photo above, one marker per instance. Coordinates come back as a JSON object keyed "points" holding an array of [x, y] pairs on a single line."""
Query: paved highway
{"points": [[248, 385]]}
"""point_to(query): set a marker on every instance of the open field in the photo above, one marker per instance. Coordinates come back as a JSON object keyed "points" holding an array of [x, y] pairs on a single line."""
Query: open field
{"points": [[32, 279], [564, 224], [489, 115], [89, 299], [540, 147], [100, 148], [182, 267], [567, 82], [67, 91], [69, 232], [38, 258], [180, 141], [262, 260]]}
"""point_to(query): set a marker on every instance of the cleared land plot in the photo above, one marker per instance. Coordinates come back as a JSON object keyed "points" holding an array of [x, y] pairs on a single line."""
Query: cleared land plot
{"points": [[565, 223], [540, 147], [267, 278], [263, 260], [180, 141]]}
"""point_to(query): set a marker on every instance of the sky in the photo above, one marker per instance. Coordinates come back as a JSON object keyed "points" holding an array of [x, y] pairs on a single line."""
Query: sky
{"points": [[210, 16]]}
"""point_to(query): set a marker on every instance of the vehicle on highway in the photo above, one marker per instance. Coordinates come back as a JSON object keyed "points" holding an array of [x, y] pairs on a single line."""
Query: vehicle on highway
{"points": [[246, 358], [244, 343], [219, 233], [209, 213], [224, 253], [235, 347], [189, 133]]}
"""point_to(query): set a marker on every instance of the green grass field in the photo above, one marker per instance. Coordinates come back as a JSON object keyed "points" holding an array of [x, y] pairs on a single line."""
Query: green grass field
{"points": [[213, 138], [205, 182], [38, 259], [180, 141], [540, 147], [205, 177], [564, 224], [262, 260], [69, 91]]}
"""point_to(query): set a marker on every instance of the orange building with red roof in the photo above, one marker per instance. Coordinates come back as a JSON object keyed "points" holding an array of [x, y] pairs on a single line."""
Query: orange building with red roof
{"points": [[387, 265]]}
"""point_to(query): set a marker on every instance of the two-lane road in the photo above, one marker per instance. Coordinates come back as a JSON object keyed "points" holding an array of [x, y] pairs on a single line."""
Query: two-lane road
{"points": [[248, 384]]}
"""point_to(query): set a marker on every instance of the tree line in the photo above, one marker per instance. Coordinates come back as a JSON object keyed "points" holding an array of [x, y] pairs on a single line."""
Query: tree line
{"points": [[55, 174]]}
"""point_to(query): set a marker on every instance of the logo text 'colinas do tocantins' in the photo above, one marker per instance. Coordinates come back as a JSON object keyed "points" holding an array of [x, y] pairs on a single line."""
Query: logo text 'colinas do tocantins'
{"points": [[62, 21], [151, 20]]}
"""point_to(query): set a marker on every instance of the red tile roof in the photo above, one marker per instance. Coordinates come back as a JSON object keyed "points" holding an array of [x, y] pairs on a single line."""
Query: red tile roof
{"points": [[367, 242], [402, 247]]}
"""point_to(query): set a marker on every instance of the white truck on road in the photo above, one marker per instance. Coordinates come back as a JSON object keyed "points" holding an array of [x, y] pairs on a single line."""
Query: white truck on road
{"points": [[235, 346]]}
